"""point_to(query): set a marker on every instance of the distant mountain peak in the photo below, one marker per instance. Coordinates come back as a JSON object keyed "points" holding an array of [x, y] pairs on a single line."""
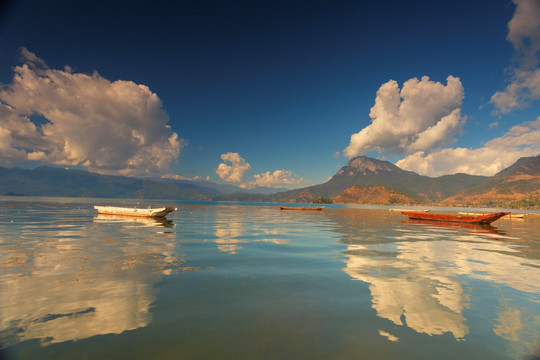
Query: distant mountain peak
{"points": [[364, 163], [525, 165]]}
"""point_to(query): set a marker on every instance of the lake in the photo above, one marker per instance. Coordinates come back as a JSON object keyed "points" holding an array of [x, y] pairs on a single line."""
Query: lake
{"points": [[248, 281]]}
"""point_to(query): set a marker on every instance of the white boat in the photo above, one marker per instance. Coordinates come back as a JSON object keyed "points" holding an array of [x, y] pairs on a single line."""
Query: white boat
{"points": [[135, 212]]}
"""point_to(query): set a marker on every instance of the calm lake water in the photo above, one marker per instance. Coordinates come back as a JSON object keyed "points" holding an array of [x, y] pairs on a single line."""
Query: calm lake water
{"points": [[248, 281]]}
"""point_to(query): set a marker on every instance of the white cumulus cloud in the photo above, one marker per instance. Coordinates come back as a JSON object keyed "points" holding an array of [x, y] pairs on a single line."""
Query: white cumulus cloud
{"points": [[423, 115], [109, 127], [277, 178], [524, 31], [497, 154], [235, 171], [234, 168], [524, 35], [524, 87]]}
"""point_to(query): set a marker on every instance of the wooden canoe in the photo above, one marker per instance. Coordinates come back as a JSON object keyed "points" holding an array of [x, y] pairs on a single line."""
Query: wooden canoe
{"points": [[134, 212], [471, 219], [301, 208], [513, 216]]}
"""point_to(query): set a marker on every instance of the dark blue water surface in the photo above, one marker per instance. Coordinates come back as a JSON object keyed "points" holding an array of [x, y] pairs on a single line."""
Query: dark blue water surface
{"points": [[250, 281]]}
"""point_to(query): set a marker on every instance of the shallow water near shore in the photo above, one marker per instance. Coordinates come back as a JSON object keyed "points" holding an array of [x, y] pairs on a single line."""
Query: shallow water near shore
{"points": [[248, 281]]}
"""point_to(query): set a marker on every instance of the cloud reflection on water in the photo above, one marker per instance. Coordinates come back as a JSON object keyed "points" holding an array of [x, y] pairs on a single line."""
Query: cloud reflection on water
{"points": [[60, 284], [228, 230], [243, 225], [420, 275]]}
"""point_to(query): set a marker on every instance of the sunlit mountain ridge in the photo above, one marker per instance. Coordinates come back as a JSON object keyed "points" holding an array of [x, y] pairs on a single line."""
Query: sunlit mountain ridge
{"points": [[516, 186], [362, 180]]}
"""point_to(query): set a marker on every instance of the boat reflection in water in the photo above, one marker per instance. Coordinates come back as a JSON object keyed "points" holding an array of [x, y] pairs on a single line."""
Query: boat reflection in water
{"points": [[136, 221], [482, 228]]}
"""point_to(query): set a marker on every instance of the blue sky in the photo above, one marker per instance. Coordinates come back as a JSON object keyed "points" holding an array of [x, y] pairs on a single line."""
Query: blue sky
{"points": [[234, 91]]}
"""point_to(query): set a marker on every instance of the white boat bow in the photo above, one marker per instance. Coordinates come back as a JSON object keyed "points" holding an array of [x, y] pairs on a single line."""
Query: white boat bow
{"points": [[135, 212]]}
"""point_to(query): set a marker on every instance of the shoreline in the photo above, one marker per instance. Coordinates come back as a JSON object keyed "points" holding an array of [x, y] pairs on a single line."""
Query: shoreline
{"points": [[135, 202]]}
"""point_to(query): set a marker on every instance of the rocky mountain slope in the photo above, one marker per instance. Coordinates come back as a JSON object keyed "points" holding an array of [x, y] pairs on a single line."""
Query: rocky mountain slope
{"points": [[365, 171], [374, 195], [515, 186]]}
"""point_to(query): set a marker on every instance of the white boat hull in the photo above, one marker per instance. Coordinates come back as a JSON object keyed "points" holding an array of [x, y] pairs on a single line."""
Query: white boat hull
{"points": [[134, 212]]}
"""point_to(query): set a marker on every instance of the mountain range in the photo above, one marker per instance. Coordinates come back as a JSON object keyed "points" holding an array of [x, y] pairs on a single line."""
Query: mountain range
{"points": [[365, 171], [515, 186], [52, 181], [362, 180]]}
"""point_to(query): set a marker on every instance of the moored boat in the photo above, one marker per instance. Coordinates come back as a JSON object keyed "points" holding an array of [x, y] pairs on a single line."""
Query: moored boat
{"points": [[513, 216], [301, 208], [134, 212], [471, 219]]}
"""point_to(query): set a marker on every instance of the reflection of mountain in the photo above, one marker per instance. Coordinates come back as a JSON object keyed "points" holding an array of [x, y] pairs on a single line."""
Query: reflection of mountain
{"points": [[69, 282], [419, 275]]}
